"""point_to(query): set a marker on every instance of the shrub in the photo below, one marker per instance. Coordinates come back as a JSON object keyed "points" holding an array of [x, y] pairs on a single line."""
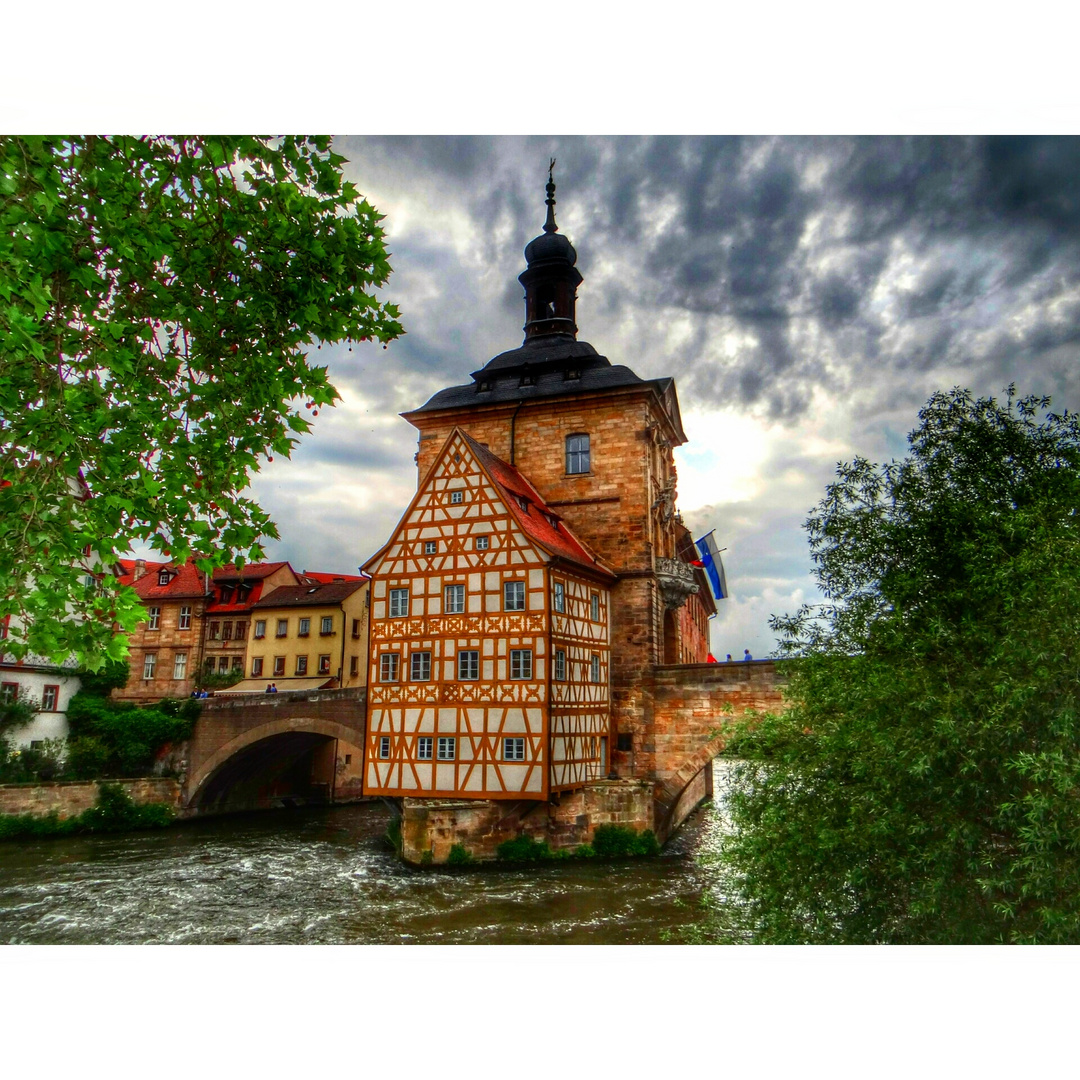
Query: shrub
{"points": [[615, 841], [459, 856], [115, 812], [524, 849]]}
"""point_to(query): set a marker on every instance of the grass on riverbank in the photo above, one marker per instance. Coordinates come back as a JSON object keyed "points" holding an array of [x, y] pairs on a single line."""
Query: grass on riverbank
{"points": [[115, 812]]}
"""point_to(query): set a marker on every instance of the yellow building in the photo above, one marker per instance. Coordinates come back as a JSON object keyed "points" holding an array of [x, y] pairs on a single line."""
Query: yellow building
{"points": [[310, 635]]}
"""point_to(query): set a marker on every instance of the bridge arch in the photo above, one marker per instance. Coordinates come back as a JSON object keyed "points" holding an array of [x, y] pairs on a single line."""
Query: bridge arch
{"points": [[203, 772]]}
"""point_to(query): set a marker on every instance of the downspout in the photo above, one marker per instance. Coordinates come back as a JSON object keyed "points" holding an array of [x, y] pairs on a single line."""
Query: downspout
{"points": [[513, 423], [341, 666]]}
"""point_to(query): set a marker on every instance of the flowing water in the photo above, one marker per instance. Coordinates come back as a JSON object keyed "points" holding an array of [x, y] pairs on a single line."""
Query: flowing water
{"points": [[327, 876]]}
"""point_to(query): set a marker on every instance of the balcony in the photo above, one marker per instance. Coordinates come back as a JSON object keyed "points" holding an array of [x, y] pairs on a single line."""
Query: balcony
{"points": [[676, 581]]}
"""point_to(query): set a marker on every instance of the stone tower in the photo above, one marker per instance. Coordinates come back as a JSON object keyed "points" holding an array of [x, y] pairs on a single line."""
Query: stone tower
{"points": [[596, 441]]}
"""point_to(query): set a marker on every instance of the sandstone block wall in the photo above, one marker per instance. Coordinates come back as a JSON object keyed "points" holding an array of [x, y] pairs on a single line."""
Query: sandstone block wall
{"points": [[435, 825], [72, 797]]}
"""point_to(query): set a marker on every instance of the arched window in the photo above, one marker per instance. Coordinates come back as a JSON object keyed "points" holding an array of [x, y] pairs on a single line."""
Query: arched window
{"points": [[577, 453]]}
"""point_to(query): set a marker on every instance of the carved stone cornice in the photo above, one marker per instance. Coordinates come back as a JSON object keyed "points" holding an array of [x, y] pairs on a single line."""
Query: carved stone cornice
{"points": [[676, 581]]}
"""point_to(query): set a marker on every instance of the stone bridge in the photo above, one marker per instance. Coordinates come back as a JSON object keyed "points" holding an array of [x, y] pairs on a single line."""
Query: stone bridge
{"points": [[683, 709], [263, 750]]}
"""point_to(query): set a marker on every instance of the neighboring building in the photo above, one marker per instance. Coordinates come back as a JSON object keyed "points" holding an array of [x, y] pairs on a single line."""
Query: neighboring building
{"points": [[165, 651], [489, 641], [596, 444], [48, 685], [312, 634], [229, 613]]}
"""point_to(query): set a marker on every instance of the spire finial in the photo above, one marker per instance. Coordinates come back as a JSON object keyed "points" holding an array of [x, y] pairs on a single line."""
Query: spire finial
{"points": [[549, 225]]}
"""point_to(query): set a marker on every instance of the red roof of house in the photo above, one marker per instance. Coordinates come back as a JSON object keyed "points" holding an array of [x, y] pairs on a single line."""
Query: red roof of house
{"points": [[329, 579], [255, 571], [537, 520], [185, 581]]}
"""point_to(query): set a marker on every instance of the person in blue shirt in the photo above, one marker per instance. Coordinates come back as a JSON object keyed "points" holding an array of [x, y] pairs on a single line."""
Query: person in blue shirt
{"points": [[746, 655]]}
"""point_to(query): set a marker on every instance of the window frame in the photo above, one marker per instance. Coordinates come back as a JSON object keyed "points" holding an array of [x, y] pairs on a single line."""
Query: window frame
{"points": [[577, 455], [389, 667], [397, 599], [184, 621], [458, 590], [279, 668], [594, 607], [424, 658], [9, 692], [149, 666], [282, 629], [304, 628], [384, 747], [256, 666], [457, 497], [154, 620], [523, 660], [558, 597], [326, 630], [45, 695], [425, 743], [179, 670], [260, 634], [482, 543], [474, 655], [447, 748], [301, 665], [519, 600], [431, 547], [594, 668], [560, 665], [514, 748], [324, 664]]}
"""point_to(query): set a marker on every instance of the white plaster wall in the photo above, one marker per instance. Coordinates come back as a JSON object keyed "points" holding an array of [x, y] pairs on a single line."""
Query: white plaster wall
{"points": [[46, 725]]}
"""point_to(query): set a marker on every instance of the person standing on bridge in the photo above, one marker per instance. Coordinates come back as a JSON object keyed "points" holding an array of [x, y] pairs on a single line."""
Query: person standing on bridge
{"points": [[746, 655]]}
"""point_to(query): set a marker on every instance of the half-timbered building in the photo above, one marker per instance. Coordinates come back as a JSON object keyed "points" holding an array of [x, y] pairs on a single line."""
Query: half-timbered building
{"points": [[490, 643]]}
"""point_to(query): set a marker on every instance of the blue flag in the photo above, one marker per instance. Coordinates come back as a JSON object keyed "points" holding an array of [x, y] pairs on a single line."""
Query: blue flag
{"points": [[713, 565]]}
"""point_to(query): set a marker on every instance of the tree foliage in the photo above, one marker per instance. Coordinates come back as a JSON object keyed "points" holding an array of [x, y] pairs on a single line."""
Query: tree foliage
{"points": [[924, 785], [159, 302]]}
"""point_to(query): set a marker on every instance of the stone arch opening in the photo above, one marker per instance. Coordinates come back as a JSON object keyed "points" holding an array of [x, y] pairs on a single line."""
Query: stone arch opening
{"points": [[284, 763], [671, 637]]}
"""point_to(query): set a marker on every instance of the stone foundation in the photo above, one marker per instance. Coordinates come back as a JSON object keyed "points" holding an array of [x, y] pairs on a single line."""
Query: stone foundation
{"points": [[480, 826], [71, 797]]}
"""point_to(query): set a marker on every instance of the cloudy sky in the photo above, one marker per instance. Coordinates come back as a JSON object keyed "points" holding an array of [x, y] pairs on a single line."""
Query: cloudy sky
{"points": [[807, 295]]}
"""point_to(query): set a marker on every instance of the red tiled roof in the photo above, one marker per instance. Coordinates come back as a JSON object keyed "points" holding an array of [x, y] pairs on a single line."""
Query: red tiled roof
{"points": [[185, 581], [255, 571], [310, 595], [328, 579], [540, 523]]}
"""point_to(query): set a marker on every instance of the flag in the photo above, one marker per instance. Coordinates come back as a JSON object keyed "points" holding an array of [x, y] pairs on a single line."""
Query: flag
{"points": [[714, 566]]}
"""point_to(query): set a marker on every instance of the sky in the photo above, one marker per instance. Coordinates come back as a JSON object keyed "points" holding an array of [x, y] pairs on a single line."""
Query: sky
{"points": [[807, 294]]}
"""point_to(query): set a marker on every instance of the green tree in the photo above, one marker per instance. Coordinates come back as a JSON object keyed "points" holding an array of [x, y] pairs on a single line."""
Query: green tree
{"points": [[160, 299], [924, 785]]}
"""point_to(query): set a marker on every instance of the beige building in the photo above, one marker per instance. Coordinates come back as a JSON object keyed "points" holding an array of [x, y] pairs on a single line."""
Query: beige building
{"points": [[310, 635]]}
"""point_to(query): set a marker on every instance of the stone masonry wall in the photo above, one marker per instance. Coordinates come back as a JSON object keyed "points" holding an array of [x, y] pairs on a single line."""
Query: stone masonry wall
{"points": [[435, 825], [72, 797]]}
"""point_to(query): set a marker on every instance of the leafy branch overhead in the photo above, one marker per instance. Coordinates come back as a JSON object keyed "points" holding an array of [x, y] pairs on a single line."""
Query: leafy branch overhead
{"points": [[159, 300]]}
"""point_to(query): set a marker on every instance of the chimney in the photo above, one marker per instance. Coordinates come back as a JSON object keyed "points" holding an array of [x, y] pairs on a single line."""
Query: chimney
{"points": [[140, 569]]}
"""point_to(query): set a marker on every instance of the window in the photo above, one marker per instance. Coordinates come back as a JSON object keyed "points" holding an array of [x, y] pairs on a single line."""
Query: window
{"points": [[356, 628], [9, 691], [446, 748], [282, 628], [594, 668], [327, 625], [468, 664], [455, 599], [179, 667], [431, 546], [279, 665], [155, 619], [399, 603], [514, 596], [163, 577], [241, 631], [149, 663], [388, 667], [558, 596], [577, 453], [208, 663], [223, 664], [256, 665], [226, 631], [513, 749], [481, 543], [238, 663], [324, 664], [260, 629], [384, 746], [354, 665], [420, 666], [594, 607], [49, 697], [215, 631], [455, 497], [185, 618], [348, 759], [521, 663], [305, 628], [423, 748], [560, 665], [301, 665]]}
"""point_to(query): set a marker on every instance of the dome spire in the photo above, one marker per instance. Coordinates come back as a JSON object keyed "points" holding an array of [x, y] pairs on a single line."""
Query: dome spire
{"points": [[549, 225]]}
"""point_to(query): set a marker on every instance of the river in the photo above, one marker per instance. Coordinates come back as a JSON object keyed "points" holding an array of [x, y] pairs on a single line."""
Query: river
{"points": [[327, 877]]}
